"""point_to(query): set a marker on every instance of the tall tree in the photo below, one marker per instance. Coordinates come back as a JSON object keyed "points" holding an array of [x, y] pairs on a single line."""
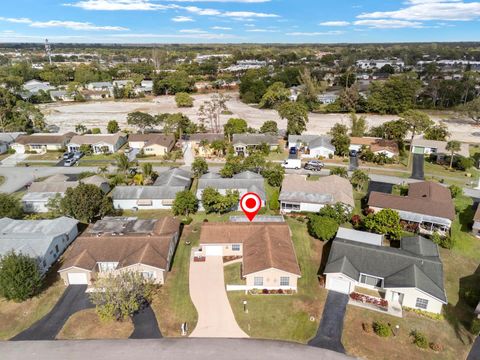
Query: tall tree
{"points": [[141, 120], [10, 206], [340, 139], [112, 127], [275, 95], [453, 146], [269, 127], [211, 110], [296, 115], [311, 88], [185, 203], [199, 167], [437, 132], [358, 125], [417, 122], [472, 110], [234, 126]]}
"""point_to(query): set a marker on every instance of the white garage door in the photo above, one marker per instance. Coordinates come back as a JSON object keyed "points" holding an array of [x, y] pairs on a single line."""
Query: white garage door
{"points": [[77, 278], [214, 250], [339, 285]]}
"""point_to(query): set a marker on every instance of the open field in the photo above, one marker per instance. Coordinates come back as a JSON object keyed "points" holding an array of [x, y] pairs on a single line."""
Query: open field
{"points": [[97, 114], [86, 324]]}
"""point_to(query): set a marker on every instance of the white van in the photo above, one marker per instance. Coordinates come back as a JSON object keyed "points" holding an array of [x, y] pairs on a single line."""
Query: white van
{"points": [[292, 164]]}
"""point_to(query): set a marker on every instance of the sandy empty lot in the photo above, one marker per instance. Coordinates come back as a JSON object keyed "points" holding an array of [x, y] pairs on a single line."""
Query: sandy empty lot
{"points": [[97, 114]]}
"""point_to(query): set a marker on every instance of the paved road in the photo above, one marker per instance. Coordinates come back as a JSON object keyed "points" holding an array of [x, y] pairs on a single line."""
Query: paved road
{"points": [[73, 299], [170, 349], [329, 334], [475, 351], [207, 290], [146, 326]]}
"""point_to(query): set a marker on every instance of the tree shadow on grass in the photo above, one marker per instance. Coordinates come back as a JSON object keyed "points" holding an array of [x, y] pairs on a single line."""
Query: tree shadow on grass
{"points": [[466, 217]]}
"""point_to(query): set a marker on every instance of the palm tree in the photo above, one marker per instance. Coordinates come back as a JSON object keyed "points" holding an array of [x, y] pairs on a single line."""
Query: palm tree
{"points": [[102, 170], [453, 146], [147, 170], [122, 162]]}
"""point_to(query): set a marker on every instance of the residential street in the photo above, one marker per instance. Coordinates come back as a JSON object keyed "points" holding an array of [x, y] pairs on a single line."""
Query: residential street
{"points": [[168, 349], [207, 290]]}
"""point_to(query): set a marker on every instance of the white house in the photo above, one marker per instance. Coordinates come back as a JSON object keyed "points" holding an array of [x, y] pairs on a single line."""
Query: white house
{"points": [[41, 142], [299, 194], [100, 143], [44, 240], [312, 146], [411, 276], [427, 147]]}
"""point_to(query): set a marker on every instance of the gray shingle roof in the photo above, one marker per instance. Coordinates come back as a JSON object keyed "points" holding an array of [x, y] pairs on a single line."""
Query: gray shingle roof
{"points": [[404, 267], [145, 192], [312, 141], [174, 177], [244, 182], [254, 139]]}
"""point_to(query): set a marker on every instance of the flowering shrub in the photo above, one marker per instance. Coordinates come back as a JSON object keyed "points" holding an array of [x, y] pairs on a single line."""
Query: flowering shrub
{"points": [[382, 303]]}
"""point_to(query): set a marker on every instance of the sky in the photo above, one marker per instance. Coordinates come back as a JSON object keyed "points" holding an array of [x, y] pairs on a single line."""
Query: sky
{"points": [[239, 21]]}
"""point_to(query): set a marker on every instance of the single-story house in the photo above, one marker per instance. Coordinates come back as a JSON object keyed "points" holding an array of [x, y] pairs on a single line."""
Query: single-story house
{"points": [[427, 204], [6, 139], [33, 87], [39, 193], [439, 148], [268, 256], [100, 143], [160, 195], [411, 276], [243, 143], [199, 142], [62, 95], [152, 144], [312, 146], [476, 223], [122, 83], [327, 98], [100, 86], [299, 194], [243, 182], [41, 142], [376, 145], [44, 240], [117, 244]]}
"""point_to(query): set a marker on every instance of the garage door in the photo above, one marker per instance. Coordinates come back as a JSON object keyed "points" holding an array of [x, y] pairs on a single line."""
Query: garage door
{"points": [[214, 250], [339, 285], [77, 278]]}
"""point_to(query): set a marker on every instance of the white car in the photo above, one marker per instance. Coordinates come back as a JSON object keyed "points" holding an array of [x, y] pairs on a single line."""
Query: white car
{"points": [[292, 164], [70, 162]]}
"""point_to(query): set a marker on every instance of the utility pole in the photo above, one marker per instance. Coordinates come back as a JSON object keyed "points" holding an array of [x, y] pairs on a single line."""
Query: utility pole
{"points": [[48, 50]]}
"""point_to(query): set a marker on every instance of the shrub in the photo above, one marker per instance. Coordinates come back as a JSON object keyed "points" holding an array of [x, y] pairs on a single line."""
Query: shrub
{"points": [[339, 171], [367, 327], [381, 329], [338, 212], [436, 238], [183, 99], [427, 314], [455, 191], [356, 221], [419, 339], [321, 227], [447, 242], [274, 203], [436, 346], [475, 326]]}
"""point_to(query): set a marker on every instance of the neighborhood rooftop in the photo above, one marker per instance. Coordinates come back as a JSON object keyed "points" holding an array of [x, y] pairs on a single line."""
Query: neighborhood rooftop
{"points": [[246, 181]]}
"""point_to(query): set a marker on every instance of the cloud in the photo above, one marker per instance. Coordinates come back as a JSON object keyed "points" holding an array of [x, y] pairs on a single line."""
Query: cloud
{"points": [[388, 23], [220, 28], [73, 25], [248, 14], [333, 32], [262, 30], [334, 23], [424, 10], [193, 31], [124, 5], [182, 19]]}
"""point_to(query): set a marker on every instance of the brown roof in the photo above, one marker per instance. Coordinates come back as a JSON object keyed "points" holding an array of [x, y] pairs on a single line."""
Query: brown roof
{"points": [[210, 137], [265, 245], [426, 198], [166, 140], [128, 249], [389, 145], [44, 138]]}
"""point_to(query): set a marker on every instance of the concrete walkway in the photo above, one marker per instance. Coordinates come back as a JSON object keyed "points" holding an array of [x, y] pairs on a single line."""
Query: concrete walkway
{"points": [[188, 156], [207, 290]]}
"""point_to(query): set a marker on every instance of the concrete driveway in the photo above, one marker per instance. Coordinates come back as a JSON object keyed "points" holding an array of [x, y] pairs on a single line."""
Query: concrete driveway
{"points": [[207, 290], [329, 334], [13, 160]]}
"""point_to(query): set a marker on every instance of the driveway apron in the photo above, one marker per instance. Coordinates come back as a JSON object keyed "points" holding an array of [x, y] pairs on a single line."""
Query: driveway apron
{"points": [[146, 326]]}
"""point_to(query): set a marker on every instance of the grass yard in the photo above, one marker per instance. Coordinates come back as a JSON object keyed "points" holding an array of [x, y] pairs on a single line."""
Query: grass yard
{"points": [[276, 156], [16, 317], [86, 324], [49, 155], [172, 304], [285, 317]]}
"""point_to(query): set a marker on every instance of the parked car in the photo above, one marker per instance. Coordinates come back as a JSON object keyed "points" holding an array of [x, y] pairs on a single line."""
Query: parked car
{"points": [[128, 150], [67, 155], [78, 154], [70, 162], [292, 164], [293, 151], [314, 165]]}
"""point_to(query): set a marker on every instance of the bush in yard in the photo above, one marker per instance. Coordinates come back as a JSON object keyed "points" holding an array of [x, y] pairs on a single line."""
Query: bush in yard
{"points": [[475, 326], [339, 171], [20, 277], [435, 346], [273, 173], [455, 191], [447, 242], [185, 203], [183, 99], [356, 221], [10, 206], [199, 167], [436, 238], [385, 222], [381, 329], [274, 203], [122, 295], [338, 212], [419, 339], [322, 227]]}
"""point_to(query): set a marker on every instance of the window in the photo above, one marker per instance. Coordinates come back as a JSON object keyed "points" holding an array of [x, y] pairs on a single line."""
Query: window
{"points": [[371, 280], [148, 274], [293, 207], [56, 248], [421, 303], [236, 247], [107, 266], [258, 281], [284, 281]]}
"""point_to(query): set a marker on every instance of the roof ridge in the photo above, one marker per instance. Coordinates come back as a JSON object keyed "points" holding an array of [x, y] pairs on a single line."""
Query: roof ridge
{"points": [[268, 240]]}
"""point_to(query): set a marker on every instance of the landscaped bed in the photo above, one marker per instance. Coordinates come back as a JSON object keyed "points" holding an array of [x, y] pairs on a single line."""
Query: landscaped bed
{"points": [[278, 316], [86, 324]]}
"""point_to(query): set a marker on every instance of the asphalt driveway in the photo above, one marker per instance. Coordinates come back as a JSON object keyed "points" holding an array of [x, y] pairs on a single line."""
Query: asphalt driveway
{"points": [[73, 299], [417, 169], [329, 334], [380, 187], [146, 326], [207, 290]]}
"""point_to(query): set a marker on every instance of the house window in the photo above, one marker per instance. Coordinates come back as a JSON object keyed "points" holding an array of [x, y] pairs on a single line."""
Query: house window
{"points": [[371, 280], [56, 248], [421, 303], [236, 247], [258, 281], [148, 274], [284, 281], [107, 266], [292, 207]]}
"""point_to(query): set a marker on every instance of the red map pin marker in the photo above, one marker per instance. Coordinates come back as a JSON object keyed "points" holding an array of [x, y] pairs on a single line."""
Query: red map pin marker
{"points": [[250, 203]]}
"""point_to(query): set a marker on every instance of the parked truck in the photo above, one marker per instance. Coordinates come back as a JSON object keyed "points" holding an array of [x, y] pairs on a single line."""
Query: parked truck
{"points": [[292, 164]]}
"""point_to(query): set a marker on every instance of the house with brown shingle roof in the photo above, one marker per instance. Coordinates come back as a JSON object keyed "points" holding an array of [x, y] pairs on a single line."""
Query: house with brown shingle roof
{"points": [[116, 244], [268, 255], [100, 143], [427, 204], [376, 145], [41, 142], [152, 144]]}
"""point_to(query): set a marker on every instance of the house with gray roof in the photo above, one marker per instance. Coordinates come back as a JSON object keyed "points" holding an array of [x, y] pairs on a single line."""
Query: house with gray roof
{"points": [[410, 276], [44, 240], [243, 182], [244, 143], [160, 195], [312, 146]]}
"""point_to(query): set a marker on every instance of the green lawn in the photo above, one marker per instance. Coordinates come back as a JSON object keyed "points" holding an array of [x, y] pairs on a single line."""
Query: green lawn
{"points": [[285, 317], [275, 156], [49, 155]]}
